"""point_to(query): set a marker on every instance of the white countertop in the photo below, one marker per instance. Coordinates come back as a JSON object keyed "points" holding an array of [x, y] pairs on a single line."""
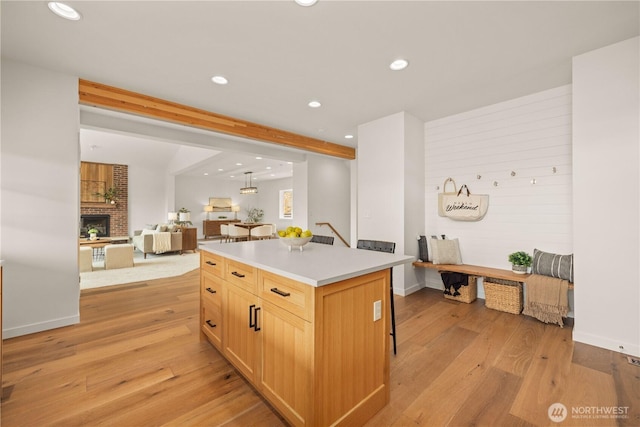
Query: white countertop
{"points": [[316, 265]]}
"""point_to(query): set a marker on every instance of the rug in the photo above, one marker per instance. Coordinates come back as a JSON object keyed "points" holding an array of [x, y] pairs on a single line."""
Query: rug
{"points": [[153, 267]]}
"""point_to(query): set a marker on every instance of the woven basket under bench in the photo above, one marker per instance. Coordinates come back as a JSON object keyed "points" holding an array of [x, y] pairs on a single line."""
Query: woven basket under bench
{"points": [[503, 295], [468, 294]]}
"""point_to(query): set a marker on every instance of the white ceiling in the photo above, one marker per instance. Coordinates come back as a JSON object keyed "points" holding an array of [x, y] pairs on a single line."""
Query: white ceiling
{"points": [[278, 56]]}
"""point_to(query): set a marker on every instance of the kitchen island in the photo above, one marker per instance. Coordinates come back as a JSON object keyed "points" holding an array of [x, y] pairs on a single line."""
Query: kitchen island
{"points": [[309, 329]]}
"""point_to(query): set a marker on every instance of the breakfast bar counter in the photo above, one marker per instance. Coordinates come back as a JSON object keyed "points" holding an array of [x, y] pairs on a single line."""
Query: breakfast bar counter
{"points": [[308, 329], [315, 265]]}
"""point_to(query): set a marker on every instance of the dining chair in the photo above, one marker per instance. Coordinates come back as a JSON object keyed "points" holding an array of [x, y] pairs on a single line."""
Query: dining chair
{"points": [[262, 232], [326, 240], [389, 247], [224, 233], [237, 233]]}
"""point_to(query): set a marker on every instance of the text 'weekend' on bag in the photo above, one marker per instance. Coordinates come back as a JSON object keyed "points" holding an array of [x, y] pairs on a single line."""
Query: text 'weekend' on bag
{"points": [[465, 207]]}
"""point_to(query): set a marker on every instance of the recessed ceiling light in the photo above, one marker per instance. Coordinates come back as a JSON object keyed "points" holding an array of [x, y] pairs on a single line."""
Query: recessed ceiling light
{"points": [[258, 158], [64, 11], [399, 64], [348, 136], [220, 80], [238, 164], [314, 104], [220, 170], [268, 168], [206, 173], [306, 2]]}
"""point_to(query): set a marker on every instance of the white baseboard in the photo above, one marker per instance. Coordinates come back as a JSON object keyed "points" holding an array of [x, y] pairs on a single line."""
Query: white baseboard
{"points": [[631, 349], [39, 327]]}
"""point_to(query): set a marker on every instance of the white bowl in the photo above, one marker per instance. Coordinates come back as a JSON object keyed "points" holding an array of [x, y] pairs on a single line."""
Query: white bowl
{"points": [[294, 242]]}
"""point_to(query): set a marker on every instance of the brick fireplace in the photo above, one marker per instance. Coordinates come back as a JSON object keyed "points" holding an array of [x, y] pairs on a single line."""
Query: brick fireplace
{"points": [[119, 212]]}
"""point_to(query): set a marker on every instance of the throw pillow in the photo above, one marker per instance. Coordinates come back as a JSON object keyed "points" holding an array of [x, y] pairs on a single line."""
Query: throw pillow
{"points": [[446, 251], [554, 265], [150, 226]]}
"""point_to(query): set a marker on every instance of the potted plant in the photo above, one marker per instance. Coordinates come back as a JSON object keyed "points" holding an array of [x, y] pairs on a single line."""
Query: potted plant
{"points": [[109, 196], [93, 233], [254, 215], [520, 262]]}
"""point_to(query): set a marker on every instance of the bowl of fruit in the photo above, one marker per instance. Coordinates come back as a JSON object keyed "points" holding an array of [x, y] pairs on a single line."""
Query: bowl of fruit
{"points": [[294, 237]]}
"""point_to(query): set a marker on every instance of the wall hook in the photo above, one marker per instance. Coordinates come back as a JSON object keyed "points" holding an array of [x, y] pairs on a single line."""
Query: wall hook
{"points": [[554, 169], [478, 176], [513, 173], [495, 183]]}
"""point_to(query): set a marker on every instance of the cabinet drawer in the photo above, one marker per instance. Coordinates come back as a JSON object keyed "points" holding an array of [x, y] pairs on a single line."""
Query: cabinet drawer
{"points": [[211, 288], [241, 274], [212, 263], [293, 296], [212, 323]]}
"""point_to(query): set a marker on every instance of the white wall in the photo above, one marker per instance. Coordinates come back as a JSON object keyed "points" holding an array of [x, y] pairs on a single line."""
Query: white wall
{"points": [[414, 193], [606, 194], [40, 199], [328, 195], [528, 136], [385, 148], [150, 197]]}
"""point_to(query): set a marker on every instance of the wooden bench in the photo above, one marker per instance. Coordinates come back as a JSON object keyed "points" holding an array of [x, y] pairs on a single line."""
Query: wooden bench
{"points": [[476, 270]]}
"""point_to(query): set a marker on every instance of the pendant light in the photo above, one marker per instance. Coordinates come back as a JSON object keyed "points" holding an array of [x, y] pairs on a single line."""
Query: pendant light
{"points": [[248, 188]]}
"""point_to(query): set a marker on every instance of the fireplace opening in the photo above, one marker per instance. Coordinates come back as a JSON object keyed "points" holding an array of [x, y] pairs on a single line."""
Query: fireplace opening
{"points": [[99, 222]]}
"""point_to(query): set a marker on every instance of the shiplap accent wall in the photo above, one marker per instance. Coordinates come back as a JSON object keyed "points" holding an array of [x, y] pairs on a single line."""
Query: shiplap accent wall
{"points": [[529, 136]]}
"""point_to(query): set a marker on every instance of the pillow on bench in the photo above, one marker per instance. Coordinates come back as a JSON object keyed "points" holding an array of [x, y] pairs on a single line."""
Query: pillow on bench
{"points": [[446, 251], [554, 265]]}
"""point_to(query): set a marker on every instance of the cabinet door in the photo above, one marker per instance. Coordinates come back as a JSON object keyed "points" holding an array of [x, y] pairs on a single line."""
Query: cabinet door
{"points": [[286, 372], [241, 326], [211, 308]]}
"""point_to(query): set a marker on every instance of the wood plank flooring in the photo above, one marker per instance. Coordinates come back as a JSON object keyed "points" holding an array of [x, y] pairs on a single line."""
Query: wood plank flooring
{"points": [[136, 359]]}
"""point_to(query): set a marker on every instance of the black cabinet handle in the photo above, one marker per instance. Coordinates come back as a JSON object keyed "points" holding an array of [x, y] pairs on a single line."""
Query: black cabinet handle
{"points": [[251, 324], [279, 292], [255, 326], [210, 263], [235, 273], [213, 325], [211, 291]]}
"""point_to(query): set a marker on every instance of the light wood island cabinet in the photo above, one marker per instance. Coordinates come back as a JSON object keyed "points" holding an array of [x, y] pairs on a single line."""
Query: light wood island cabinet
{"points": [[316, 353]]}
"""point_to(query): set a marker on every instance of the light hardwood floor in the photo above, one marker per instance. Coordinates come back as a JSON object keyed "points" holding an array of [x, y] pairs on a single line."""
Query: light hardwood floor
{"points": [[136, 359]]}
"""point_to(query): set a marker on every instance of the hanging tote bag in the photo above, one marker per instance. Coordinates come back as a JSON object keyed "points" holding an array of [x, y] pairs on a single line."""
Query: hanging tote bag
{"points": [[464, 206], [445, 193]]}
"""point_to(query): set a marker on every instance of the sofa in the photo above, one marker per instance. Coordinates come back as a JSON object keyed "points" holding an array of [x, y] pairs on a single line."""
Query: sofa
{"points": [[158, 239]]}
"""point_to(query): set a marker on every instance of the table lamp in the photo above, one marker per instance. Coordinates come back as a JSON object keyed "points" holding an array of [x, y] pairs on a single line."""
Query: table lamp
{"points": [[208, 209]]}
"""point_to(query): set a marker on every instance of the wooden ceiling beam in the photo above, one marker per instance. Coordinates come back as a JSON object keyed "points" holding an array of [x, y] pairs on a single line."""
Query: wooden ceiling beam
{"points": [[112, 98]]}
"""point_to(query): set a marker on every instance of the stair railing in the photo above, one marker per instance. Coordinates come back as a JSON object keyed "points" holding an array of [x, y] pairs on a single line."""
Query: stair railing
{"points": [[334, 232]]}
